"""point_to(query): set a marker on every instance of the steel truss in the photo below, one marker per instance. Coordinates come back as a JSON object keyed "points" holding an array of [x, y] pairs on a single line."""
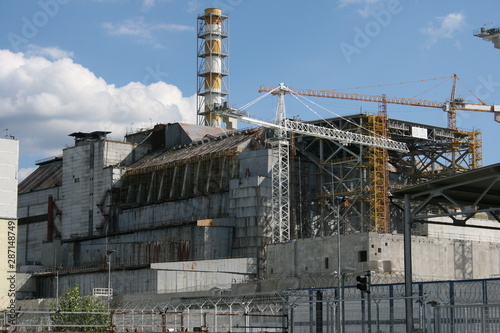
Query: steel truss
{"points": [[367, 175]]}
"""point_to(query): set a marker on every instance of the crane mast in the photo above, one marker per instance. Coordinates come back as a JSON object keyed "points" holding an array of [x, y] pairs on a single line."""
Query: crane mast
{"points": [[280, 226]]}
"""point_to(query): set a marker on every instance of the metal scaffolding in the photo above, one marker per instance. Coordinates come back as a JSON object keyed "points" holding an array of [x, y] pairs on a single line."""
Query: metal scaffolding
{"points": [[366, 175]]}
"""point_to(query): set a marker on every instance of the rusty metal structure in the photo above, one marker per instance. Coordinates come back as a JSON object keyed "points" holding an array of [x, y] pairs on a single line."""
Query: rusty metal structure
{"points": [[365, 176]]}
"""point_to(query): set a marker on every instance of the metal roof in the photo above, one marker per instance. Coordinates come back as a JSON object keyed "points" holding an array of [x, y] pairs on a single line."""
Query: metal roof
{"points": [[227, 144], [48, 174], [466, 193], [196, 132], [479, 187]]}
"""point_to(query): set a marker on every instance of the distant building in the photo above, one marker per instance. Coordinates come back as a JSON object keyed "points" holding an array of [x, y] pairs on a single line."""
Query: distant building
{"points": [[490, 35], [9, 160]]}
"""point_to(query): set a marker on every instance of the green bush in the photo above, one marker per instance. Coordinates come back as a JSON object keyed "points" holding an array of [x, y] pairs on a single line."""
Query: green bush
{"points": [[84, 306]]}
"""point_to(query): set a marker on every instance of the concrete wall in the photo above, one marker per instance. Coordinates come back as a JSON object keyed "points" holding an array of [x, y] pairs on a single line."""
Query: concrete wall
{"points": [[315, 256], [33, 234], [172, 212], [138, 281], [203, 275], [89, 170], [250, 204], [160, 278], [87, 174], [434, 258]]}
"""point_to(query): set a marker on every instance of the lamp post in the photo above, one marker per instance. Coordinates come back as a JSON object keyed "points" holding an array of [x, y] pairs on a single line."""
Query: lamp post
{"points": [[57, 287], [345, 271], [340, 201], [109, 253]]}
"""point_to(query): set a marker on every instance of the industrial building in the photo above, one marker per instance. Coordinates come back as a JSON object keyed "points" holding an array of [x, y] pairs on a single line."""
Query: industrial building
{"points": [[202, 208], [188, 208]]}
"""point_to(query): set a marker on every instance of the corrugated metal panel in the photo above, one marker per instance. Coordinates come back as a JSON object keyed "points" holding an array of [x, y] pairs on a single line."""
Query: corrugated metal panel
{"points": [[196, 132], [231, 143], [46, 176]]}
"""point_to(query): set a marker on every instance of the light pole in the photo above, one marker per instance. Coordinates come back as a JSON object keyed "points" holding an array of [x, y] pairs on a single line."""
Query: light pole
{"points": [[338, 202], [57, 287], [345, 271], [109, 253]]}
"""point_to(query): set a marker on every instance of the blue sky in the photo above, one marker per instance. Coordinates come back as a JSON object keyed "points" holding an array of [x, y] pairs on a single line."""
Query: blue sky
{"points": [[118, 65]]}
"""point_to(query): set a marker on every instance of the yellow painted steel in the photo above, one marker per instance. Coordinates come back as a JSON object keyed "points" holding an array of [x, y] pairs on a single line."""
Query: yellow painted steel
{"points": [[215, 18], [213, 81], [377, 159], [211, 117], [213, 46]]}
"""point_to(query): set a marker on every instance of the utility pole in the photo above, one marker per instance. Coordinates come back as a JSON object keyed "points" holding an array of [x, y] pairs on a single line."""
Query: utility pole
{"points": [[109, 253]]}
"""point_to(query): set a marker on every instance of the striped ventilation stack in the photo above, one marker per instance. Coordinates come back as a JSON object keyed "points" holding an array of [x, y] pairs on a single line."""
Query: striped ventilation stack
{"points": [[212, 69]]}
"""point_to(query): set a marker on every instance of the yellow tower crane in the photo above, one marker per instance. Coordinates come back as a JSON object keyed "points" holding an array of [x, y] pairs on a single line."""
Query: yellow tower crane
{"points": [[450, 106], [377, 156]]}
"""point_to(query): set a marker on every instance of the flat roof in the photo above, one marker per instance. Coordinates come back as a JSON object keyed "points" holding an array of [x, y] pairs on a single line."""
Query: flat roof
{"points": [[479, 188]]}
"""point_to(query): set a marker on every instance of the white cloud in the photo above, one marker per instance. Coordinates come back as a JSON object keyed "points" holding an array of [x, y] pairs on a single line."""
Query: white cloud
{"points": [[194, 6], [446, 27], [141, 30], [149, 4], [368, 6], [24, 172], [53, 53], [42, 101]]}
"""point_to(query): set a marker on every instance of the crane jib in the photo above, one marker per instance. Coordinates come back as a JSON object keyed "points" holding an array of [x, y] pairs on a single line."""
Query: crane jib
{"points": [[343, 137]]}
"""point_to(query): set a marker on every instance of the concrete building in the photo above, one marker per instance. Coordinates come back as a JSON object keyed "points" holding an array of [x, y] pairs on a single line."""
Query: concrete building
{"points": [[9, 159], [186, 208]]}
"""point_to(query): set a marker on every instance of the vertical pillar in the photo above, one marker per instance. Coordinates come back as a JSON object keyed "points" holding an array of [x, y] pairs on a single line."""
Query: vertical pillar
{"points": [[407, 264]]}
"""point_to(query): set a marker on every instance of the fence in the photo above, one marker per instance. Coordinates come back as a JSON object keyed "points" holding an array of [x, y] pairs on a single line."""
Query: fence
{"points": [[465, 318], [449, 306], [222, 314]]}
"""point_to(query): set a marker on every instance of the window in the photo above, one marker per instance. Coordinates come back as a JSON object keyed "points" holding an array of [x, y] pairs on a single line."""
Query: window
{"points": [[362, 256]]}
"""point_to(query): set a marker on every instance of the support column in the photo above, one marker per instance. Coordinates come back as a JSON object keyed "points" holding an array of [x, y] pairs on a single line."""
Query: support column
{"points": [[407, 264]]}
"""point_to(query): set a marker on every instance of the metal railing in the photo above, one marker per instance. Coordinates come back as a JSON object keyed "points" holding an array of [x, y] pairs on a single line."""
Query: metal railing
{"points": [[482, 32], [465, 318], [153, 320]]}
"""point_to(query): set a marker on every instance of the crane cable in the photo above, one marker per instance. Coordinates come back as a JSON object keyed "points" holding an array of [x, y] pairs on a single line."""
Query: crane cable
{"points": [[470, 90], [249, 104], [393, 84], [437, 85], [298, 97]]}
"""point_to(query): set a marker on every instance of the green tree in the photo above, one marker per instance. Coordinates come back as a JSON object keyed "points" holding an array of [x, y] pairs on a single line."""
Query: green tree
{"points": [[83, 319]]}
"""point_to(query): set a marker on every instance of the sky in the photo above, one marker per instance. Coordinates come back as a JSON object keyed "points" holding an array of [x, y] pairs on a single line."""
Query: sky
{"points": [[120, 65]]}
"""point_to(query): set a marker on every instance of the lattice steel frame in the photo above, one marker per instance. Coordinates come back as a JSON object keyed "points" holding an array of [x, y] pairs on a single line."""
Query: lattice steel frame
{"points": [[353, 168]]}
